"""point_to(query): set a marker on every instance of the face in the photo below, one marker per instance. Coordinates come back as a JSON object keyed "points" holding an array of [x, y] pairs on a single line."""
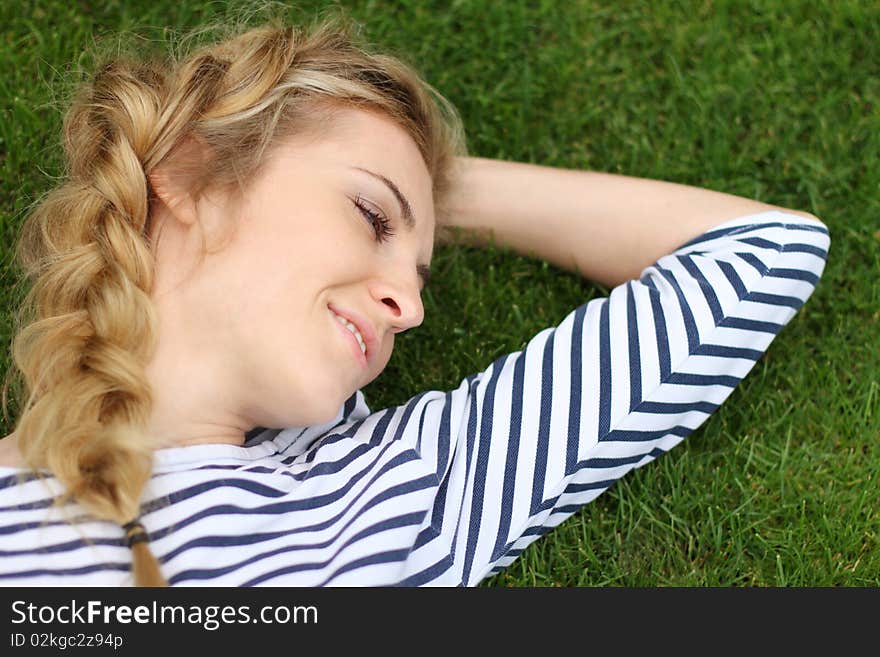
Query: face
{"points": [[337, 226]]}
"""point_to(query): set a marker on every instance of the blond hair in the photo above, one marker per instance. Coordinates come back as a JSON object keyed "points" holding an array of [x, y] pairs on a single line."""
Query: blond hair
{"points": [[88, 326]]}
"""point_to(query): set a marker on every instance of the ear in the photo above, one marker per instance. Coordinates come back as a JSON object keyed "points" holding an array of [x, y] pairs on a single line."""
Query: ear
{"points": [[172, 180]]}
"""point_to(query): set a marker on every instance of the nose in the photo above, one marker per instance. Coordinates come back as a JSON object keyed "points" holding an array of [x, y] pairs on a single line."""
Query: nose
{"points": [[401, 299]]}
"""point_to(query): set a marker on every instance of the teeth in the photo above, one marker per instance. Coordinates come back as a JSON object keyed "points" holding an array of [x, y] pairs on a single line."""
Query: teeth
{"points": [[351, 327]]}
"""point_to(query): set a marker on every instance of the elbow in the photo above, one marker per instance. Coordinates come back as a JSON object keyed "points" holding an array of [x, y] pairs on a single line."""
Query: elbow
{"points": [[799, 213], [809, 217]]}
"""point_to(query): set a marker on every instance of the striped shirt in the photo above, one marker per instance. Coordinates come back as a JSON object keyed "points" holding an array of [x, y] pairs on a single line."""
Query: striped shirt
{"points": [[451, 486]]}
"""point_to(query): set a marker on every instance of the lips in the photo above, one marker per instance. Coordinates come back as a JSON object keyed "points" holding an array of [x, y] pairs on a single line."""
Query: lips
{"points": [[364, 327]]}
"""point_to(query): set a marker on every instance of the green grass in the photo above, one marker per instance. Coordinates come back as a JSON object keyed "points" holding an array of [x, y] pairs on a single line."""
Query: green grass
{"points": [[771, 100]]}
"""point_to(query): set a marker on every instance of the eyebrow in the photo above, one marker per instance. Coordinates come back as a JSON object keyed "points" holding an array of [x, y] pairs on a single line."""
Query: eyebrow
{"points": [[405, 207], [409, 219]]}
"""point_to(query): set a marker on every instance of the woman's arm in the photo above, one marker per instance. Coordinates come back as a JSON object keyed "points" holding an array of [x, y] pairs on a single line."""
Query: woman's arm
{"points": [[524, 444], [607, 227]]}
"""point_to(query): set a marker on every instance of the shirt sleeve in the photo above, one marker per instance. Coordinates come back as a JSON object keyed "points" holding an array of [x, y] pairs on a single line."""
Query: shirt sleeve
{"points": [[522, 445]]}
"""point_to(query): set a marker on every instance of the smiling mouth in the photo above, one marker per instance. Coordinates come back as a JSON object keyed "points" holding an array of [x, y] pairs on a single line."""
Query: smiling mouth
{"points": [[353, 337]]}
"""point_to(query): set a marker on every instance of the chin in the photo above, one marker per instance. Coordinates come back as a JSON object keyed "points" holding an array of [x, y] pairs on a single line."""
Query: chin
{"points": [[321, 412]]}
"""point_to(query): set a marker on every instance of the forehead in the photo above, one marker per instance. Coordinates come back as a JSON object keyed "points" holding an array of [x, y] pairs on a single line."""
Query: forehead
{"points": [[366, 140]]}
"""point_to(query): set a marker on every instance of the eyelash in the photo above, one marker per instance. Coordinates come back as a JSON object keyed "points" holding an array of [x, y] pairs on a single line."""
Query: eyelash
{"points": [[381, 225]]}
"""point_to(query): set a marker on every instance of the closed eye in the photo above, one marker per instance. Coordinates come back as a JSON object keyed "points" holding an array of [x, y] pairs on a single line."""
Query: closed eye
{"points": [[381, 224]]}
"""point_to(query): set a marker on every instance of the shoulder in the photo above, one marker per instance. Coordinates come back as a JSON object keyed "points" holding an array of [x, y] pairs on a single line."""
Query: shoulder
{"points": [[9, 455]]}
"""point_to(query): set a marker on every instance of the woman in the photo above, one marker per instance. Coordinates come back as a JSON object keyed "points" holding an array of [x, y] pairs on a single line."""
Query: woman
{"points": [[240, 237]]}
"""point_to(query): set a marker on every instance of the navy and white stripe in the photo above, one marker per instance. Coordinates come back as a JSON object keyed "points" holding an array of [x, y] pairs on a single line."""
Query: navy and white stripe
{"points": [[451, 486]]}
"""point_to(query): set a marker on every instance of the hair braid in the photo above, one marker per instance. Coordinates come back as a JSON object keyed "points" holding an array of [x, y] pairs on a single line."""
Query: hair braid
{"points": [[93, 324]]}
